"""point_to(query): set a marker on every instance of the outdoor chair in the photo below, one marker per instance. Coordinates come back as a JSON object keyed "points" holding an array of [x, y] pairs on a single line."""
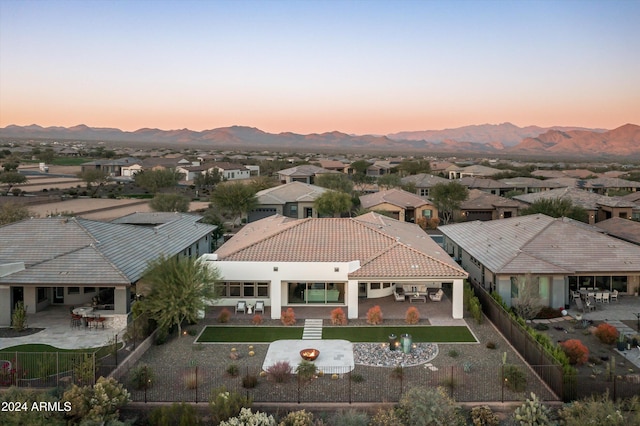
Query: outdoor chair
{"points": [[99, 321], [580, 305], [259, 306], [576, 294], [583, 288], [437, 296], [591, 306], [91, 321], [241, 306], [599, 297], [76, 320], [591, 294], [399, 297], [614, 295], [605, 297]]}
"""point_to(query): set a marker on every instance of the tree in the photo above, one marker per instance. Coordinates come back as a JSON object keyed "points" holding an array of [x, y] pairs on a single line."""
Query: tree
{"points": [[13, 212], [448, 197], [414, 167], [390, 180], [181, 288], [46, 156], [526, 294], [235, 199], [263, 182], [360, 167], [207, 179], [93, 176], [170, 203], [153, 180], [11, 178], [212, 217], [333, 203], [335, 181], [557, 207]]}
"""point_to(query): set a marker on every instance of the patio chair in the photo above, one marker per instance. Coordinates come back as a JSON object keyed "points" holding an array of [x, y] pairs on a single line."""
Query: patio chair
{"points": [[76, 320], [580, 305], [241, 306], [399, 297], [437, 296], [591, 305], [605, 297], [614, 295], [99, 321], [598, 297], [575, 294], [91, 320], [259, 306]]}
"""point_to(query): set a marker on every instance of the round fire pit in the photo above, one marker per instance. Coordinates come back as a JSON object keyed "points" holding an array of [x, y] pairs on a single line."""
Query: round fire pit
{"points": [[309, 354]]}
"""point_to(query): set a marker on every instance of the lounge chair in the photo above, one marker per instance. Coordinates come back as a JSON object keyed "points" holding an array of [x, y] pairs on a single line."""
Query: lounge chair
{"points": [[241, 306], [580, 305], [399, 297], [259, 306], [437, 296], [614, 295]]}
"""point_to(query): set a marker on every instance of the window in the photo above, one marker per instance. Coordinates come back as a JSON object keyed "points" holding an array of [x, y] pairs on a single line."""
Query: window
{"points": [[293, 210], [386, 285], [73, 290], [375, 286], [89, 290], [234, 290], [514, 287], [427, 213], [245, 289], [42, 294], [248, 290], [424, 192]]}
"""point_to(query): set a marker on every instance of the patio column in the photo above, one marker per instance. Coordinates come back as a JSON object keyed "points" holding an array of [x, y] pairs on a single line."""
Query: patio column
{"points": [[5, 306], [352, 299], [276, 298], [121, 300], [457, 309]]}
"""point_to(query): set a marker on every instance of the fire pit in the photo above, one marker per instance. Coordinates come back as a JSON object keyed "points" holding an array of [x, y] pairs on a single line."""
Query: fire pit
{"points": [[309, 354]]}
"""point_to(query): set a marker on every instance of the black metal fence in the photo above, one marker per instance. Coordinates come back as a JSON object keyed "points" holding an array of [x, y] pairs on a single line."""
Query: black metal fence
{"points": [[363, 384], [47, 369]]}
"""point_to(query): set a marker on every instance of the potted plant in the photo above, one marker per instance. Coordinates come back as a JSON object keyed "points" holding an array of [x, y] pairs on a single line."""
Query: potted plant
{"points": [[622, 344]]}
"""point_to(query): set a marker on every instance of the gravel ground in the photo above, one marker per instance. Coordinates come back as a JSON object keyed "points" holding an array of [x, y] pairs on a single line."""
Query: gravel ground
{"points": [[185, 371]]}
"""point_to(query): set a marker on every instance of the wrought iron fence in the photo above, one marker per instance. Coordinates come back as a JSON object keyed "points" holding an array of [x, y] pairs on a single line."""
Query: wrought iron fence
{"points": [[47, 369]]}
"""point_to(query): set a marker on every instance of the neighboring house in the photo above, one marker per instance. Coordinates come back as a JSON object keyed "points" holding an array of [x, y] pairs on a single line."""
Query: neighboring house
{"points": [[381, 168], [482, 206], [559, 255], [423, 182], [111, 167], [401, 205], [476, 170], [624, 229], [634, 198], [335, 165], [489, 186], [305, 173], [293, 199], [69, 261], [528, 185], [603, 185], [231, 171], [164, 163], [191, 172], [598, 207], [331, 262]]}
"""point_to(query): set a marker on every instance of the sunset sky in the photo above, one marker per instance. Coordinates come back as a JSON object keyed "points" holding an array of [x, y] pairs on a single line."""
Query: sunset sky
{"points": [[363, 67]]}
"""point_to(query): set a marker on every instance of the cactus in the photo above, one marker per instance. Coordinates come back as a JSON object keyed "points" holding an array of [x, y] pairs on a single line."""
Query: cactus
{"points": [[532, 413]]}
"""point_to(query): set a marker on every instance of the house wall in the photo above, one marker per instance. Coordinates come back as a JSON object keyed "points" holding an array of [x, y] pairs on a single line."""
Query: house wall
{"points": [[5, 306]]}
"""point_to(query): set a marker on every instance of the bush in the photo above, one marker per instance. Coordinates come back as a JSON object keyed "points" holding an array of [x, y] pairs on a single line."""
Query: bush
{"points": [[532, 412], [577, 353], [547, 313], [338, 317], [224, 404], [247, 417], [387, 417], [161, 336], [249, 381], [190, 379], [306, 370], [429, 406], [357, 378], [175, 414], [412, 316], [298, 418], [142, 377], [288, 317], [397, 372], [607, 333], [349, 418], [98, 403], [257, 319], [514, 378], [476, 309], [280, 372], [233, 370], [224, 315], [374, 315], [19, 316], [483, 416], [601, 410], [453, 353], [491, 345]]}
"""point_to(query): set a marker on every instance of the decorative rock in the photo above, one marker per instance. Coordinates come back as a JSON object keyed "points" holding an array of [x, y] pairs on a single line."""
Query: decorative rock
{"points": [[251, 353], [378, 355], [234, 356]]}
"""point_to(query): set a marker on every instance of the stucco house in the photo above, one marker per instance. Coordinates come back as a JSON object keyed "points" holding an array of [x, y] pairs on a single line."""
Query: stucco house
{"points": [[402, 205], [480, 205], [305, 173], [331, 262], [71, 261], [560, 255], [293, 199], [423, 182], [114, 167]]}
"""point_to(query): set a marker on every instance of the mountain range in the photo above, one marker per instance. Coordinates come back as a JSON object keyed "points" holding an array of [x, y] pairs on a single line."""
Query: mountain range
{"points": [[505, 138]]}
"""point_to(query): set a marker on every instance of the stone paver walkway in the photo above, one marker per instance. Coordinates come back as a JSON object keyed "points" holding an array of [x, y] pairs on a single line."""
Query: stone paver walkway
{"points": [[312, 329]]}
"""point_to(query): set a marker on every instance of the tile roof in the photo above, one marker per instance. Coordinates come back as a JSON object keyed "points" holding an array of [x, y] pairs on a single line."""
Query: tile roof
{"points": [[383, 245], [624, 229], [480, 200], [544, 244], [423, 180], [118, 254], [304, 170], [478, 182], [291, 192], [155, 218], [580, 197], [394, 196]]}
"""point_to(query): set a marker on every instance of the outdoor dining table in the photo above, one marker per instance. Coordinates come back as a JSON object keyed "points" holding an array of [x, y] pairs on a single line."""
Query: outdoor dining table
{"points": [[84, 312]]}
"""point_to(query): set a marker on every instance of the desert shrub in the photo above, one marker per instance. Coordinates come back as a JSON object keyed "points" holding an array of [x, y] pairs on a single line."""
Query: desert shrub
{"points": [[607, 333], [99, 403], [514, 378], [547, 312], [453, 353], [29, 417], [142, 377], [349, 418], [224, 404], [250, 381], [386, 417], [224, 315], [306, 370], [484, 416], [601, 410], [233, 370], [532, 413], [161, 336], [577, 353], [429, 406], [190, 379], [174, 414], [357, 378], [257, 319], [541, 327], [476, 309], [338, 317], [397, 372], [374, 315], [192, 331], [280, 372], [247, 417], [288, 317], [19, 316], [491, 345], [297, 418], [412, 316]]}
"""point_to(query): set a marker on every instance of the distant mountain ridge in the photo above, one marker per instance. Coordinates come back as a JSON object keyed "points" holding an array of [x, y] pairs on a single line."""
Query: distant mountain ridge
{"points": [[478, 139]]}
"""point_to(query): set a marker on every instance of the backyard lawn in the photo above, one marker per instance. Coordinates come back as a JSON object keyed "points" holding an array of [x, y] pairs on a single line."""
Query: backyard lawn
{"points": [[430, 334]]}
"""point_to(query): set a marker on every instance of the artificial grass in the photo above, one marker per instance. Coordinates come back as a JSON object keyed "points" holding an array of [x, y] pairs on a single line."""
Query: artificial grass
{"points": [[377, 334]]}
